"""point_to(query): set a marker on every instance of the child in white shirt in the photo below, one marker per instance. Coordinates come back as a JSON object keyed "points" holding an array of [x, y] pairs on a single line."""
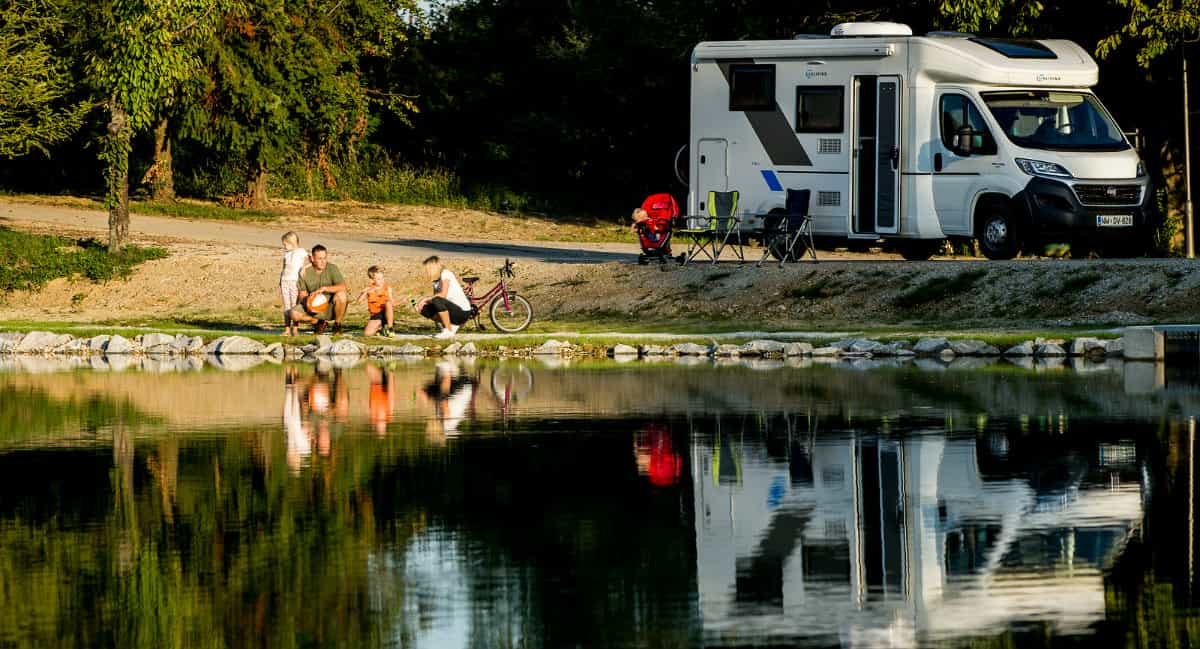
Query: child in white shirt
{"points": [[295, 259]]}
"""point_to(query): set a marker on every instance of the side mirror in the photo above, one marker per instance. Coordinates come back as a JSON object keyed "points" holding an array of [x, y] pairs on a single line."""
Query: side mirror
{"points": [[963, 140]]}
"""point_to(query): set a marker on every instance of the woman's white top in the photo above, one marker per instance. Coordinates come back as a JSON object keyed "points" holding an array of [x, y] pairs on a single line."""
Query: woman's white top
{"points": [[455, 293], [293, 263]]}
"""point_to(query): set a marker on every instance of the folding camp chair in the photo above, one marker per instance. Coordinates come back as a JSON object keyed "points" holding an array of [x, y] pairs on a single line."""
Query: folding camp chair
{"points": [[781, 232], [711, 234]]}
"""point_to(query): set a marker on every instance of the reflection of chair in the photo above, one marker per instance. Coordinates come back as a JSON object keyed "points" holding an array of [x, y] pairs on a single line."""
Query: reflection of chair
{"points": [[710, 234], [782, 231]]}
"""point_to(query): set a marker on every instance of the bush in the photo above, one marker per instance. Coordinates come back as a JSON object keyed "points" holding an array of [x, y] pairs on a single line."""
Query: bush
{"points": [[1168, 228], [31, 260]]}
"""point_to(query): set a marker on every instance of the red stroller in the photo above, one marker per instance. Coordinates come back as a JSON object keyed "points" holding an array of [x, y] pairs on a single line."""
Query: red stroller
{"points": [[654, 234]]}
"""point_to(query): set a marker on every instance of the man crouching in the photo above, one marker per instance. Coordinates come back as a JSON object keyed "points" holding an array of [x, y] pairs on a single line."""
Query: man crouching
{"points": [[321, 279]]}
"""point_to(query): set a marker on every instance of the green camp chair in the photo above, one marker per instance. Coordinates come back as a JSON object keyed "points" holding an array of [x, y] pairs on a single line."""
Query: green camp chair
{"points": [[709, 234]]}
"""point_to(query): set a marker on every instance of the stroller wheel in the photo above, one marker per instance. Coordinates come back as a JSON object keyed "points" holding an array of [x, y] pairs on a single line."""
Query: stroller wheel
{"points": [[642, 260], [681, 258]]}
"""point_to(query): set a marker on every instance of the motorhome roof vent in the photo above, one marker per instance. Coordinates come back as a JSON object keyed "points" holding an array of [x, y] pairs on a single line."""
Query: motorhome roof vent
{"points": [[853, 30]]}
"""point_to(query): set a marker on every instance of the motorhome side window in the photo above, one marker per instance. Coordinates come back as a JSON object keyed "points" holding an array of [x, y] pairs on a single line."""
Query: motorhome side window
{"points": [[752, 87], [957, 112], [820, 109]]}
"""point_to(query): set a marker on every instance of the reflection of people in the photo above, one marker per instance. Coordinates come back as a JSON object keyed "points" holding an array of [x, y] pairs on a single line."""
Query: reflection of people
{"points": [[327, 401], [381, 398], [298, 445], [326, 278], [656, 457], [448, 306], [450, 393]]}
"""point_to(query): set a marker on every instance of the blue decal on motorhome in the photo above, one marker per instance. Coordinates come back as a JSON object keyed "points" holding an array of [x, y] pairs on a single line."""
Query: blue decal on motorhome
{"points": [[772, 180]]}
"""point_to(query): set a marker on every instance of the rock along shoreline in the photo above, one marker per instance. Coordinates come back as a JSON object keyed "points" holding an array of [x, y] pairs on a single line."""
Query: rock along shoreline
{"points": [[41, 343]]}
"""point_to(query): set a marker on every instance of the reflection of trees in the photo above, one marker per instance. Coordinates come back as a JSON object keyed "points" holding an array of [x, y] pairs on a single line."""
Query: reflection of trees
{"points": [[193, 541], [247, 557]]}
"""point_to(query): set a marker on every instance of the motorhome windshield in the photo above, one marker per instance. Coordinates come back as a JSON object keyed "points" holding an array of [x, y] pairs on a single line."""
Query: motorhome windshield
{"points": [[1055, 120]]}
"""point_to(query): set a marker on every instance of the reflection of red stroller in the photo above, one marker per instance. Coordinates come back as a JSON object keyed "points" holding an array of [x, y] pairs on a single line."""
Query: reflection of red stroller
{"points": [[654, 234], [656, 456]]}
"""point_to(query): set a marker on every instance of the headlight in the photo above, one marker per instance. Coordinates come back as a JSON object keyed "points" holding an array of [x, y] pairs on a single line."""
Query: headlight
{"points": [[1039, 168], [1141, 170]]}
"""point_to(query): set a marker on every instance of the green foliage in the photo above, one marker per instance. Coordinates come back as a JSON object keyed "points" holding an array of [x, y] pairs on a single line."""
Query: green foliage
{"points": [[1155, 26], [1014, 16], [1168, 228], [207, 211], [284, 80], [138, 67], [34, 80], [32, 260], [937, 289]]}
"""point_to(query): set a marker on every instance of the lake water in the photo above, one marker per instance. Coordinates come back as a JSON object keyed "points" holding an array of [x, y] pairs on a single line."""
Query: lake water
{"points": [[522, 504]]}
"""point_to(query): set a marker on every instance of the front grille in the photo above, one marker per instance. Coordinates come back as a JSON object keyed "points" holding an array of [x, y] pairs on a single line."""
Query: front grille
{"points": [[1109, 194]]}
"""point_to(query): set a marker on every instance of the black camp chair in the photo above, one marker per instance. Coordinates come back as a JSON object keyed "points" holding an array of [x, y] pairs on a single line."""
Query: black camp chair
{"points": [[782, 231]]}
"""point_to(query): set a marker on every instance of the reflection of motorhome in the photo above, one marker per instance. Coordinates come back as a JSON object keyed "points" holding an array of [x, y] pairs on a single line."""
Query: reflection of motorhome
{"points": [[865, 539], [916, 139]]}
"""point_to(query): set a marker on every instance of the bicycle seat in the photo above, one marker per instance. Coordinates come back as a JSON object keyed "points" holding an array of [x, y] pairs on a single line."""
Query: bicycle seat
{"points": [[470, 280]]}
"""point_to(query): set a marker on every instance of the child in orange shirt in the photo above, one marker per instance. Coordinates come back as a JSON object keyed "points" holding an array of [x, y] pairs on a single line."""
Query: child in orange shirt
{"points": [[379, 303]]}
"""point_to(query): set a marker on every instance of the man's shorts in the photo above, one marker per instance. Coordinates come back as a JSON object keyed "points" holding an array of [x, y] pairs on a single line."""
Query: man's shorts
{"points": [[380, 315], [325, 314]]}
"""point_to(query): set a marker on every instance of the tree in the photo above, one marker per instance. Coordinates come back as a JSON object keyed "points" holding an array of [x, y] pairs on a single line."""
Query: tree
{"points": [[1014, 16], [141, 60], [34, 82], [283, 79], [1156, 25]]}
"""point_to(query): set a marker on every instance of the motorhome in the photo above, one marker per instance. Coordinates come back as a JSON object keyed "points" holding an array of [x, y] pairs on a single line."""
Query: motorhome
{"points": [[916, 139]]}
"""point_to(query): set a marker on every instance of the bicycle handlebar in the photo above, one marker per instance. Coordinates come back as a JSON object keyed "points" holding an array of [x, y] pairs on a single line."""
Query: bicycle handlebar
{"points": [[507, 270]]}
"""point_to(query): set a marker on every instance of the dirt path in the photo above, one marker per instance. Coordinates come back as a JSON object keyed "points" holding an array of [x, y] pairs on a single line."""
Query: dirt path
{"points": [[386, 241], [226, 274]]}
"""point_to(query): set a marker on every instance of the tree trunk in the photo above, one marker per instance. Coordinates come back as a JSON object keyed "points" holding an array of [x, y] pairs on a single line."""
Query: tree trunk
{"points": [[161, 175], [116, 156], [256, 190]]}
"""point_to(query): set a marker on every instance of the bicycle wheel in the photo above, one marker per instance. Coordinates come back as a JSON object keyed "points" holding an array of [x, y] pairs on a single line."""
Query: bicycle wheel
{"points": [[515, 318], [512, 381]]}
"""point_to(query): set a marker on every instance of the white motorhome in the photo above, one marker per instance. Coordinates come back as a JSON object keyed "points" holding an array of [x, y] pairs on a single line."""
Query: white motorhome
{"points": [[916, 139]]}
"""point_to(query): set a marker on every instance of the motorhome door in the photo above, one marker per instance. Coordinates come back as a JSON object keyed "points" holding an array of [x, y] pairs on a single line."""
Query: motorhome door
{"points": [[712, 170], [887, 155]]}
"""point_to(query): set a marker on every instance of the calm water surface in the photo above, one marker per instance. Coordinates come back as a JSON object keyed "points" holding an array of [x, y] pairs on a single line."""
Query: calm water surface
{"points": [[475, 504]]}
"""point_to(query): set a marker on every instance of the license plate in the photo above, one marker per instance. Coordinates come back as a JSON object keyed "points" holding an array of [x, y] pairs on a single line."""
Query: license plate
{"points": [[1114, 220]]}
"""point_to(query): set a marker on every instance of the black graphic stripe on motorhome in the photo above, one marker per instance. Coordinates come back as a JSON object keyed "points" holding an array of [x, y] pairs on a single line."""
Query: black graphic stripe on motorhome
{"points": [[772, 129]]}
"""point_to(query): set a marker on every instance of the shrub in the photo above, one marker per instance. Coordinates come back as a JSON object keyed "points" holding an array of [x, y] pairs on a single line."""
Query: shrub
{"points": [[31, 260]]}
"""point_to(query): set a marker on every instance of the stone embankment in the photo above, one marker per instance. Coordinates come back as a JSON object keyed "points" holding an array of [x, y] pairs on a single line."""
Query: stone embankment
{"points": [[165, 345]]}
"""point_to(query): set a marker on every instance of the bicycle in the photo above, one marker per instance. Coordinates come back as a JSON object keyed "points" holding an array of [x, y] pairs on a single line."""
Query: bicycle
{"points": [[508, 311]]}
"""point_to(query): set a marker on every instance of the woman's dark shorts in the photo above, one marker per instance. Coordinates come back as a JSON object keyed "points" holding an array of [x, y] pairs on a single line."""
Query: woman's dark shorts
{"points": [[439, 304]]}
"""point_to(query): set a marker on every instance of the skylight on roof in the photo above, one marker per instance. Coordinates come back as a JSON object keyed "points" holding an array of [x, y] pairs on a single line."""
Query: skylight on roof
{"points": [[1017, 49]]}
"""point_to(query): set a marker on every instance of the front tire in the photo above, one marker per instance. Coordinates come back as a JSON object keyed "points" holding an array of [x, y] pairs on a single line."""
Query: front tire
{"points": [[516, 318], [997, 235]]}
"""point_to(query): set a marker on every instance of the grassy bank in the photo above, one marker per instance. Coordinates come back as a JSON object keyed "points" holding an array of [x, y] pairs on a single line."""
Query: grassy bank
{"points": [[593, 333], [32, 260]]}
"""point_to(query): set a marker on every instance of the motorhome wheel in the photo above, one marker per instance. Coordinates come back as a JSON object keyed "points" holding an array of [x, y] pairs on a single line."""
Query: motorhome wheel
{"points": [[997, 236]]}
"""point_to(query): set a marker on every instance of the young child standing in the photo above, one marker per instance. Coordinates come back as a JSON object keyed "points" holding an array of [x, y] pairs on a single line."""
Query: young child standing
{"points": [[295, 259], [379, 303]]}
